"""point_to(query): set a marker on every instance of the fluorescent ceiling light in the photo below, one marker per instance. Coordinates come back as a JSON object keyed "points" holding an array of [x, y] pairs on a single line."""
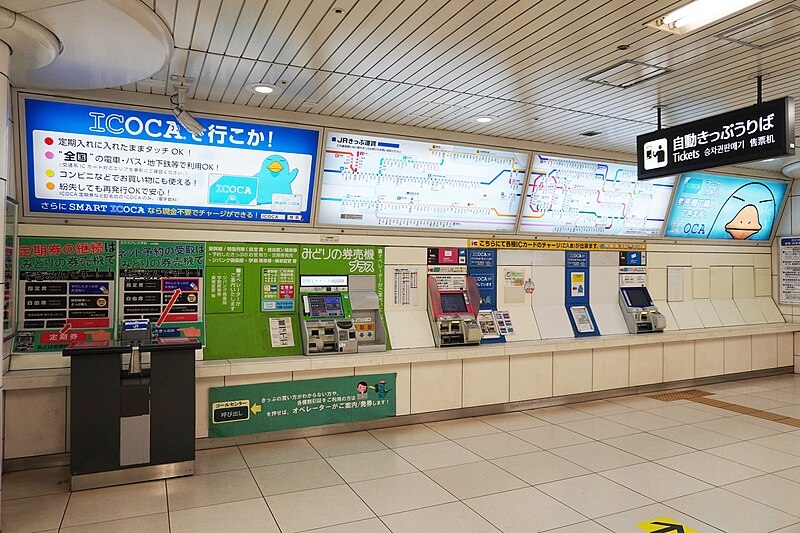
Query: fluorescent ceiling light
{"points": [[484, 120], [699, 13]]}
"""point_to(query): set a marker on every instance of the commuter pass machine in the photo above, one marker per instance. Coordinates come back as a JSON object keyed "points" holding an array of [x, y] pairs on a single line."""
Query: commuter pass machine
{"points": [[640, 314], [453, 310], [340, 314]]}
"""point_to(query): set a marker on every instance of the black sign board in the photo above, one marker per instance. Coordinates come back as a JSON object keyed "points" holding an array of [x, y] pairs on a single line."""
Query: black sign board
{"points": [[750, 134]]}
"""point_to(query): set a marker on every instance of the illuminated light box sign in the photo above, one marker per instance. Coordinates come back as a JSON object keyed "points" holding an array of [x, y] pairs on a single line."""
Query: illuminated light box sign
{"points": [[396, 183], [90, 160], [725, 207], [756, 132], [579, 197]]}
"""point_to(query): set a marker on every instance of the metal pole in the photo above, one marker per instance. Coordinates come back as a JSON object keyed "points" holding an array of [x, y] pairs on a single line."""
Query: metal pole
{"points": [[758, 82]]}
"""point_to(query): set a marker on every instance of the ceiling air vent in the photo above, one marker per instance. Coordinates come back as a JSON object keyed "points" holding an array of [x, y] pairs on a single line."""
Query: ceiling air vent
{"points": [[626, 74], [774, 27], [591, 133]]}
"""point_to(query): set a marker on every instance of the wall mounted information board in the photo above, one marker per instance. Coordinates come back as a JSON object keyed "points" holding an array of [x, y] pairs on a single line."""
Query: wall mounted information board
{"points": [[104, 161], [372, 181], [66, 292], [163, 282], [250, 300], [789, 279], [708, 206], [593, 198]]}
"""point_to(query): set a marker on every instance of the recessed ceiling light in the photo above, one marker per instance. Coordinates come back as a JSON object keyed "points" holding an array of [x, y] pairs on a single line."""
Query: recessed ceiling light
{"points": [[484, 120], [262, 88], [591, 133]]}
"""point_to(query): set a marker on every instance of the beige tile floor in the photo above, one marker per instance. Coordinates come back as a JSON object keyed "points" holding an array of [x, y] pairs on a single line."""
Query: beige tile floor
{"points": [[585, 468]]}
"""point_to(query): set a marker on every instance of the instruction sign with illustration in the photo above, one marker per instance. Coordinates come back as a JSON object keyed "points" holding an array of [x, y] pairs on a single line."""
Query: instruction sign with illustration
{"points": [[248, 409], [163, 283], [108, 161], [66, 289]]}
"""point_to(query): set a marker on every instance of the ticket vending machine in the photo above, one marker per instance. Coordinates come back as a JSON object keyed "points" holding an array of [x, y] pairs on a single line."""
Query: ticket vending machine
{"points": [[453, 313], [338, 318], [640, 314]]}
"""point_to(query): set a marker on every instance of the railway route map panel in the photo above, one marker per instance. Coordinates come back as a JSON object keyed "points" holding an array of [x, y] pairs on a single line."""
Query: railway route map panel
{"points": [[395, 183], [580, 197]]}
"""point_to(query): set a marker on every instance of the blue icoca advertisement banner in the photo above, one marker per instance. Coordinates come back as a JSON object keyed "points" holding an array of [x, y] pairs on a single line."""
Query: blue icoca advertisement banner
{"points": [[725, 207], [90, 160]]}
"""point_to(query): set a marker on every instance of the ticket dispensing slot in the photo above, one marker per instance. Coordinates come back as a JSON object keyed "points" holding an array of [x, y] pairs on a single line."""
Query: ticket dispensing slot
{"points": [[327, 324], [640, 314], [453, 315]]}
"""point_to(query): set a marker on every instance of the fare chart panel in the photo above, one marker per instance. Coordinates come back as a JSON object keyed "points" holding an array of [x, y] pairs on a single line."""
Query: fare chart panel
{"points": [[394, 183], [593, 198]]}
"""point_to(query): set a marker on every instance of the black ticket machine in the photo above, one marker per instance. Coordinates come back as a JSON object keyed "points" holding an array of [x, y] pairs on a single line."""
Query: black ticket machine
{"points": [[640, 314], [132, 408]]}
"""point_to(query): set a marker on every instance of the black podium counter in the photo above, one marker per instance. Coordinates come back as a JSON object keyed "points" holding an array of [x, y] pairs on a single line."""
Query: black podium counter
{"points": [[131, 422]]}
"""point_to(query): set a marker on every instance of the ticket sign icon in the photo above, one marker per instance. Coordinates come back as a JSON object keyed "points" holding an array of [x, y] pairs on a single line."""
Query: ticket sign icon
{"points": [[233, 190]]}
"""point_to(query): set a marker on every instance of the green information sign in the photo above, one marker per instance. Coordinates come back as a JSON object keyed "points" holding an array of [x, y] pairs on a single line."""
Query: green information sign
{"points": [[247, 409], [250, 300], [66, 292], [163, 282]]}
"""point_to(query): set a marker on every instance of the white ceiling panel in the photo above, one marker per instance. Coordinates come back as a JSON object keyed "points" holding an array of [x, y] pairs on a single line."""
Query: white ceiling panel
{"points": [[440, 63]]}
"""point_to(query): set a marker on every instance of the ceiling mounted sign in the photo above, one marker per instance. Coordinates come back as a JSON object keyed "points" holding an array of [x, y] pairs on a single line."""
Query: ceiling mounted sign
{"points": [[758, 132]]}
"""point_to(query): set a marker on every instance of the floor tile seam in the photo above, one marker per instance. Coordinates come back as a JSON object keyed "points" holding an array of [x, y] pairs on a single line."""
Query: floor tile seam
{"points": [[500, 457], [677, 423], [261, 492], [260, 497], [455, 499], [672, 507], [465, 502], [276, 464], [714, 485], [485, 460], [604, 528], [497, 430], [760, 502], [62, 527], [710, 485], [651, 500], [64, 512], [747, 465], [312, 530], [647, 458], [462, 502], [12, 499], [752, 412], [683, 421], [668, 506]]}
